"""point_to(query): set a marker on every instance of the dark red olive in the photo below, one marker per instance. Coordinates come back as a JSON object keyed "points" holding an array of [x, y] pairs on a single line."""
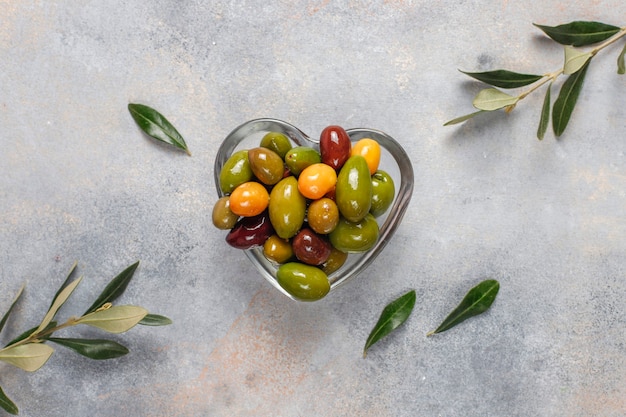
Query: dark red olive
{"points": [[310, 248], [335, 146], [250, 231]]}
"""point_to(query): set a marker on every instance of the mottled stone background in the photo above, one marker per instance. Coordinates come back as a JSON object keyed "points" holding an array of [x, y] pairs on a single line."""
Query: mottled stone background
{"points": [[79, 181]]}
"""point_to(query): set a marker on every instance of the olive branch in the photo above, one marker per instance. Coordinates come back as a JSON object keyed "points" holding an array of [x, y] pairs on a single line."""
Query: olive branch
{"points": [[29, 350], [576, 62]]}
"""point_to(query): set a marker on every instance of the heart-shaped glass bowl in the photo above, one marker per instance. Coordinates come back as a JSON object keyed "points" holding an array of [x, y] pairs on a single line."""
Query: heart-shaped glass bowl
{"points": [[394, 161]]}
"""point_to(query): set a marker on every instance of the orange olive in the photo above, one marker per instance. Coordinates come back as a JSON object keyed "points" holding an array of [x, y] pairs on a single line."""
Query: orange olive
{"points": [[316, 180], [249, 199], [370, 150]]}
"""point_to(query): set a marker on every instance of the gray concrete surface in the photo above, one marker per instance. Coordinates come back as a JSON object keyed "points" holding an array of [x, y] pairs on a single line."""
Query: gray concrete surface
{"points": [[79, 181]]}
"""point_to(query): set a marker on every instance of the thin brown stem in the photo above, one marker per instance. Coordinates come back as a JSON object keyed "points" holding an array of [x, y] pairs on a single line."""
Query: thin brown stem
{"points": [[547, 78], [35, 337]]}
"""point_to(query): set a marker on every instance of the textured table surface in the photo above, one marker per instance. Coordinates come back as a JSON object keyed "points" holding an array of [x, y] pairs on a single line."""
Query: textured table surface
{"points": [[79, 181]]}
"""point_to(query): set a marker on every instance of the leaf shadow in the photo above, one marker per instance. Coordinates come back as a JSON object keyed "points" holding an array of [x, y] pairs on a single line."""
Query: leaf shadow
{"points": [[547, 45]]}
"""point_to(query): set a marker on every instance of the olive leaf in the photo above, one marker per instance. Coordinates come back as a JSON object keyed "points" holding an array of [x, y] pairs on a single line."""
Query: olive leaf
{"points": [[579, 33], [59, 300], [566, 101], [6, 403], [545, 115], [29, 357], [93, 348], [29, 352], [571, 35], [392, 316], [67, 281], [116, 319], [504, 78], [155, 125], [155, 320], [493, 99], [463, 118], [477, 301], [30, 331], [621, 67], [114, 289], [8, 313], [574, 59]]}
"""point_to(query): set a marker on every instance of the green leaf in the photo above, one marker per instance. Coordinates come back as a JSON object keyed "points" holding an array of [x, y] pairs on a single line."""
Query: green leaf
{"points": [[545, 115], [462, 118], [28, 357], [155, 320], [59, 300], [116, 319], [93, 348], [574, 59], [504, 78], [392, 316], [477, 301], [493, 99], [155, 125], [566, 101], [8, 313], [114, 289], [8, 405], [621, 67], [67, 281], [579, 33], [28, 332]]}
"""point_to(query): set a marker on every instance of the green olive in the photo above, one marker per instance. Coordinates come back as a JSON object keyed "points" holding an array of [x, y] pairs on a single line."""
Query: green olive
{"points": [[301, 157], [287, 207], [223, 218], [355, 236], [303, 282], [277, 142], [277, 250], [235, 171], [383, 191], [266, 165], [353, 192]]}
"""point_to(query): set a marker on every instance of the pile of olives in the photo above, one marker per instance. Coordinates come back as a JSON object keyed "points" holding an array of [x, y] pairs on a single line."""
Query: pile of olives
{"points": [[308, 209]]}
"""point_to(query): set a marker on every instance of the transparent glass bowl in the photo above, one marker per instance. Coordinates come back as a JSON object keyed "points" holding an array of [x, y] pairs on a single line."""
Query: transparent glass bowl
{"points": [[394, 161]]}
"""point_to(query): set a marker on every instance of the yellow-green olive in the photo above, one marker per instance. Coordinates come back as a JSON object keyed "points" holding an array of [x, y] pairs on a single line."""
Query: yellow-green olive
{"points": [[335, 261], [277, 142], [303, 282], [223, 217], [301, 157], [355, 236], [277, 249], [287, 207], [235, 171], [383, 191], [323, 215], [353, 192]]}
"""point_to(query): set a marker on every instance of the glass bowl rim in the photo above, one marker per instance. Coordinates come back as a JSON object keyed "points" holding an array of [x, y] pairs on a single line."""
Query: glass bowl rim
{"points": [[394, 214]]}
